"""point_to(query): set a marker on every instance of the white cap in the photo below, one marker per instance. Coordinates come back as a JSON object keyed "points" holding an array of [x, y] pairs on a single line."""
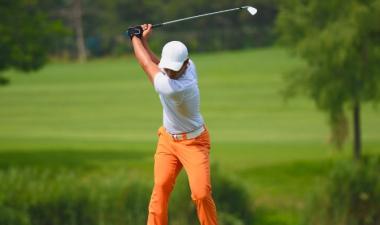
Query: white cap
{"points": [[174, 54]]}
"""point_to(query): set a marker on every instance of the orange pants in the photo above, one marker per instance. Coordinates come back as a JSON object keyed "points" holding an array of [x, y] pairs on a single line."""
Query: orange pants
{"points": [[171, 155]]}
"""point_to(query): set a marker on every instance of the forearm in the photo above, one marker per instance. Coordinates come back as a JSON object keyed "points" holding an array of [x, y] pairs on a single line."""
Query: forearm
{"points": [[144, 59], [153, 56]]}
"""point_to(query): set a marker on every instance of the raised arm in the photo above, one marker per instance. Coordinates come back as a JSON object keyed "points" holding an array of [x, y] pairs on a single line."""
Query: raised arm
{"points": [[147, 31], [143, 57]]}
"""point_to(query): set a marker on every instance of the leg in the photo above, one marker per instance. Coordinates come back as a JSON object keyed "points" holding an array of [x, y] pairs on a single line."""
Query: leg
{"points": [[166, 169], [194, 155]]}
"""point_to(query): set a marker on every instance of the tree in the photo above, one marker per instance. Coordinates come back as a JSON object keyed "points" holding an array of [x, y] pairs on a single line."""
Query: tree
{"points": [[340, 42], [26, 35], [77, 22], [71, 12]]}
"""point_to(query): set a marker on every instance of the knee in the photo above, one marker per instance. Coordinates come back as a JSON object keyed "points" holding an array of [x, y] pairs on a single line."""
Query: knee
{"points": [[163, 185], [200, 193]]}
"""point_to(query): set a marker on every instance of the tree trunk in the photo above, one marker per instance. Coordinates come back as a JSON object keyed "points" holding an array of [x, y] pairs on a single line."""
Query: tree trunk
{"points": [[77, 20], [357, 131]]}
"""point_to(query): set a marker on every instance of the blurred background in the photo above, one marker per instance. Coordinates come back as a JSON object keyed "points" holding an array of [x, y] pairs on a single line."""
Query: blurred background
{"points": [[290, 97]]}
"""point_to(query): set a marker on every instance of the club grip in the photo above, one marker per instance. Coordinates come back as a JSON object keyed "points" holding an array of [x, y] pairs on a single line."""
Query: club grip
{"points": [[157, 25]]}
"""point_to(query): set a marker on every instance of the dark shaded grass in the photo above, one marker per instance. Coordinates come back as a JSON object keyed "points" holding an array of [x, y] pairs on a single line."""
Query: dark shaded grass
{"points": [[66, 158]]}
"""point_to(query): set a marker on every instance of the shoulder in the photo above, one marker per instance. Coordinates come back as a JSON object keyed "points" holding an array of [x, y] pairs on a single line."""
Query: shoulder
{"points": [[191, 70], [166, 86]]}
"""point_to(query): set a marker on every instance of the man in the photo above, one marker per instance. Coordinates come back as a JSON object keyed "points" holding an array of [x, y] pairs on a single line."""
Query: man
{"points": [[184, 141]]}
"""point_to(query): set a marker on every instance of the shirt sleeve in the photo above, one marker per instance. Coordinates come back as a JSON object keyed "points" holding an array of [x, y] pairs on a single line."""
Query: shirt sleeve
{"points": [[166, 86]]}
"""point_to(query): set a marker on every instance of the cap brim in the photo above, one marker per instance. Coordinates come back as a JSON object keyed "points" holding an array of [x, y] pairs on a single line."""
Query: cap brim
{"points": [[176, 66]]}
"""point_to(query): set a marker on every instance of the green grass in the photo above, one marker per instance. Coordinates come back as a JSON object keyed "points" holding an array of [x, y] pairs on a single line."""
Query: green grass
{"points": [[102, 116]]}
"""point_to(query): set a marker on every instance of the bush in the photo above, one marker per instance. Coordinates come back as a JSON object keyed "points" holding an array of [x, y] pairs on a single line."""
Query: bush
{"points": [[47, 197], [44, 197], [232, 199], [351, 196], [234, 206]]}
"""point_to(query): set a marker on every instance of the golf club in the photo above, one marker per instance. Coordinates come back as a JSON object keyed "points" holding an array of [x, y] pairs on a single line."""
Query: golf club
{"points": [[250, 9]]}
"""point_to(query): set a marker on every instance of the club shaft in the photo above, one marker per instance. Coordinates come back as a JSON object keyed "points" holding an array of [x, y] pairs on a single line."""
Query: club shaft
{"points": [[195, 17]]}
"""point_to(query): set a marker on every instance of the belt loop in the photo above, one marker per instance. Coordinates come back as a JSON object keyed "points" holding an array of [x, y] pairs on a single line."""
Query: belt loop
{"points": [[175, 137]]}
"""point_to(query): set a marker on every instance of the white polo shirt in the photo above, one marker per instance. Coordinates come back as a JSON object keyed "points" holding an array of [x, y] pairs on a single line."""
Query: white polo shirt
{"points": [[180, 100]]}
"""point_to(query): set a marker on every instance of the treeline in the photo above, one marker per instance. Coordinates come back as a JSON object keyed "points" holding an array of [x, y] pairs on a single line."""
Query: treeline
{"points": [[95, 28]]}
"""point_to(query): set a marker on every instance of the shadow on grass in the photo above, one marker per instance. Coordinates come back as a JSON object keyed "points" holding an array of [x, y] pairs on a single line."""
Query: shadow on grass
{"points": [[3, 81], [296, 172], [68, 158]]}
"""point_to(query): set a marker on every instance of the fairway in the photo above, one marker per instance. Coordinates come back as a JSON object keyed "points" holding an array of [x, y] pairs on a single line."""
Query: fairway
{"points": [[103, 116]]}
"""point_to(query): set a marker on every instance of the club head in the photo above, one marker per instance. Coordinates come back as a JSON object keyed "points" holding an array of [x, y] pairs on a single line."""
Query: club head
{"points": [[251, 10]]}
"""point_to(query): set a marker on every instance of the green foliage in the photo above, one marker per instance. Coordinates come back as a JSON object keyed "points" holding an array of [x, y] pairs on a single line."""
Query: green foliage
{"points": [[60, 197], [351, 196], [105, 21], [232, 199], [234, 204], [27, 35], [340, 41]]}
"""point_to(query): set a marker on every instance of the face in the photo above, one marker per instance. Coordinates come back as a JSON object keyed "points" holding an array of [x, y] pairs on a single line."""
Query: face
{"points": [[177, 74]]}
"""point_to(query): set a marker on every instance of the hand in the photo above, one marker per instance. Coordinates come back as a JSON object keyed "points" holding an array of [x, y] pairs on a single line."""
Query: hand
{"points": [[135, 31], [147, 30]]}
